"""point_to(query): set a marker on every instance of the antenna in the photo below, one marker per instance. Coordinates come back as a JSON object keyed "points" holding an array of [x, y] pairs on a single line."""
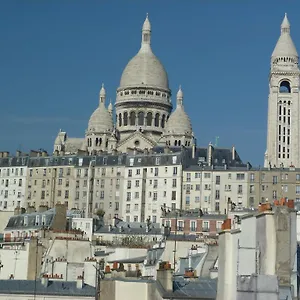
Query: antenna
{"points": [[216, 141]]}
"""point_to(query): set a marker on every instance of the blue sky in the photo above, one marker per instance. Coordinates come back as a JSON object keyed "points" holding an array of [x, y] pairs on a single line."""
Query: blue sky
{"points": [[54, 55]]}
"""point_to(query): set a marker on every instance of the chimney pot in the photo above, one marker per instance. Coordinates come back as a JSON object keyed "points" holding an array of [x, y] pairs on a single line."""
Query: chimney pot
{"points": [[290, 204], [226, 224]]}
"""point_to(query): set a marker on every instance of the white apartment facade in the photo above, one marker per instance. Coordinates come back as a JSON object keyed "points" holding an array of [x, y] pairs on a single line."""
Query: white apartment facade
{"points": [[12, 182], [213, 189], [151, 182]]}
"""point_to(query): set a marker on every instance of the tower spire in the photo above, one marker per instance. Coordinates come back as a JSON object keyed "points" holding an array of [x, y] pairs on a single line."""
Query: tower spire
{"points": [[285, 25], [285, 46], [179, 96], [102, 95], [146, 33]]}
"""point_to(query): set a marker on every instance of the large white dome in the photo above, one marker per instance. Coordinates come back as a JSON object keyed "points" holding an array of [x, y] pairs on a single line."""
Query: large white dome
{"points": [[145, 69]]}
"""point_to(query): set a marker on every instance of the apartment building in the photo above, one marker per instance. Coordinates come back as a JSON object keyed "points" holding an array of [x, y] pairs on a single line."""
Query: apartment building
{"points": [[269, 184], [216, 180], [99, 182], [50, 180], [12, 181], [150, 182]]}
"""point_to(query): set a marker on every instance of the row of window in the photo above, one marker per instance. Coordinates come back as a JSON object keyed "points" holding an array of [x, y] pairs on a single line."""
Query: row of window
{"points": [[141, 119], [12, 171], [152, 170], [152, 195], [143, 92], [239, 176]]}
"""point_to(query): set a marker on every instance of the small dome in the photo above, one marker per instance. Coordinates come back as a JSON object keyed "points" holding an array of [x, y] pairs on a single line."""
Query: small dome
{"points": [[179, 122], [145, 69], [101, 120]]}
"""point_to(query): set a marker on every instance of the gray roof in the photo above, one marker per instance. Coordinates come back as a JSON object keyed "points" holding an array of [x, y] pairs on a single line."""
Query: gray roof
{"points": [[200, 289], [130, 228], [220, 158], [195, 213], [59, 288], [133, 260], [14, 161], [17, 222]]}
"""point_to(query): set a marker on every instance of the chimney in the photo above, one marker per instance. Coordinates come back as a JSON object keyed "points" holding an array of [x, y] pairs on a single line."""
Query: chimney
{"points": [[193, 150], [109, 227], [264, 207], [226, 266], [44, 153], [226, 224], [30, 210], [291, 204], [266, 237], [18, 153], [5, 154], [165, 276], [42, 208], [55, 153], [79, 282], [62, 153], [17, 211], [233, 153], [210, 154], [121, 229], [45, 280], [167, 149]]}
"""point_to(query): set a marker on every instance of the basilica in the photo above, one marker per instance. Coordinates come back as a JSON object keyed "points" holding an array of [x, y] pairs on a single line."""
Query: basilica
{"points": [[143, 111]]}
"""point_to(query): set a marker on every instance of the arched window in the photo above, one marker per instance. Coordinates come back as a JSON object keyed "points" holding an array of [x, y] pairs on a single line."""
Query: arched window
{"points": [[141, 118], [179, 142], [163, 121], [120, 120], [96, 142], [132, 118], [156, 121], [285, 87], [100, 141], [125, 119], [175, 143], [149, 119]]}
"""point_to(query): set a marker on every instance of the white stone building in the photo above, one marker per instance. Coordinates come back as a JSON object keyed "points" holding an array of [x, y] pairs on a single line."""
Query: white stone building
{"points": [[214, 190], [149, 183], [143, 111], [283, 138], [13, 172]]}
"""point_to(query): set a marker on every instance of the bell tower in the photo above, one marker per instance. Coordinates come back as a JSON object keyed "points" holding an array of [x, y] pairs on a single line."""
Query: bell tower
{"points": [[283, 135]]}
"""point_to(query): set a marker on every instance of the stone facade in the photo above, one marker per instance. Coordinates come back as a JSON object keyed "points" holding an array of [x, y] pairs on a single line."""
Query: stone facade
{"points": [[142, 110], [283, 106]]}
